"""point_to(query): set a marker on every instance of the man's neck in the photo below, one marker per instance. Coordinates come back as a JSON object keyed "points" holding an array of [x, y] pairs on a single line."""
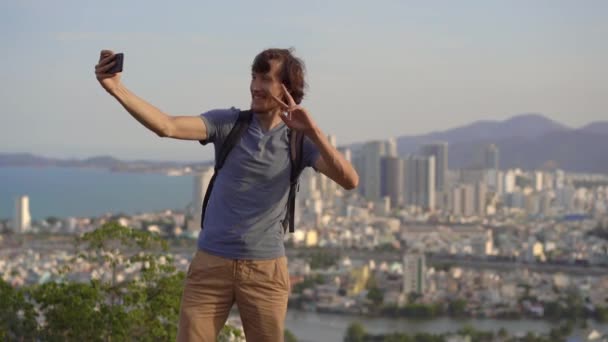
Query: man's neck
{"points": [[269, 120]]}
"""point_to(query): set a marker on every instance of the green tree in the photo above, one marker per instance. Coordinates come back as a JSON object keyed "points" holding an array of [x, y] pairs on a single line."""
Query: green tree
{"points": [[355, 333], [397, 337], [77, 311], [412, 297], [371, 282], [457, 308], [322, 260], [52, 220], [17, 315], [420, 311], [153, 297], [289, 336], [426, 337], [376, 296], [601, 314], [144, 307], [230, 333], [556, 335], [308, 282]]}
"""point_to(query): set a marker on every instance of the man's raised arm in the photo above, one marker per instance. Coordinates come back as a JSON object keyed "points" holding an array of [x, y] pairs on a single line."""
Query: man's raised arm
{"points": [[178, 127]]}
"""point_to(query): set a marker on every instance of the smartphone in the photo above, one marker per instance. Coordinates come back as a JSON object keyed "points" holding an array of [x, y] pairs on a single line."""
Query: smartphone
{"points": [[119, 57]]}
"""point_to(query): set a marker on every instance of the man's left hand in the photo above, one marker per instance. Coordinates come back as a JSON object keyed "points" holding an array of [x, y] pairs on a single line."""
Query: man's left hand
{"points": [[295, 117]]}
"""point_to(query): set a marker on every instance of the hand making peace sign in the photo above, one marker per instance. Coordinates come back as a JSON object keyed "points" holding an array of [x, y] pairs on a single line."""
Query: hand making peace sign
{"points": [[297, 117]]}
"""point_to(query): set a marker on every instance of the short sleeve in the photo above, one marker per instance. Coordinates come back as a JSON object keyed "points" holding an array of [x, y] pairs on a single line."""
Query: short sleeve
{"points": [[310, 153], [219, 122]]}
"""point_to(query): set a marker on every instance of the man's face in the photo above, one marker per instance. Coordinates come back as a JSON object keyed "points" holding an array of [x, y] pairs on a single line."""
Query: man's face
{"points": [[264, 84]]}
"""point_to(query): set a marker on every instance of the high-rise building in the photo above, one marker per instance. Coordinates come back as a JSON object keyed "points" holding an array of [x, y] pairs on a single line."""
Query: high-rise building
{"points": [[308, 186], [391, 147], [491, 157], [414, 273], [509, 181], [440, 151], [391, 180], [201, 183], [358, 164], [480, 198], [23, 219], [420, 181], [559, 179], [456, 200], [463, 200], [500, 187], [538, 180], [371, 153], [328, 186], [490, 165], [332, 140], [346, 152]]}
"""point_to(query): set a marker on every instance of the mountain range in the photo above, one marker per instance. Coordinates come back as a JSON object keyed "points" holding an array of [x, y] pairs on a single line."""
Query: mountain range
{"points": [[527, 141], [103, 162]]}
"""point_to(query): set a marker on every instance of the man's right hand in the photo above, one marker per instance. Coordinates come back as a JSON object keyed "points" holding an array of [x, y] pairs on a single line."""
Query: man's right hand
{"points": [[109, 82]]}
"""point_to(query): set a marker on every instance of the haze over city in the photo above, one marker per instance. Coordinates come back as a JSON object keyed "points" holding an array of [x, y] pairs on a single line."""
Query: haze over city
{"points": [[469, 199], [374, 70]]}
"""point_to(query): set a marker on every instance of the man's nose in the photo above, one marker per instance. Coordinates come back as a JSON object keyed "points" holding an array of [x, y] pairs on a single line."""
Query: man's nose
{"points": [[256, 86]]}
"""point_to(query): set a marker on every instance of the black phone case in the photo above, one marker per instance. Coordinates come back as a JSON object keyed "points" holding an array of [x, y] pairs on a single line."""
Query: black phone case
{"points": [[119, 57]]}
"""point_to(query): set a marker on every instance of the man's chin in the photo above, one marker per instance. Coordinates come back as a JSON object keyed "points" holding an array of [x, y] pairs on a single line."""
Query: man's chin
{"points": [[259, 109]]}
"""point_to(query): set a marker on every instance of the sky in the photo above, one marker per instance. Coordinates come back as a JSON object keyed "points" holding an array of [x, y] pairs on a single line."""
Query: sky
{"points": [[375, 69]]}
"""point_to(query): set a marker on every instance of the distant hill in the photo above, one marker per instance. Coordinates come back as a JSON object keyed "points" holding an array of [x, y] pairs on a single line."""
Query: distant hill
{"points": [[600, 127], [528, 141], [522, 126], [104, 162]]}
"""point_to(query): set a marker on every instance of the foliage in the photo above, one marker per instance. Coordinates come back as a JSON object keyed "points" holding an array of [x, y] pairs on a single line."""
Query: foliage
{"points": [[376, 296], [355, 333], [308, 282], [322, 260], [289, 336], [143, 307], [230, 333], [457, 308], [17, 317]]}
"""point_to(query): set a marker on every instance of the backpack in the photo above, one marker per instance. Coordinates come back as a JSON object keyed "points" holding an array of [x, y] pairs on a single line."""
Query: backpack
{"points": [[296, 146]]}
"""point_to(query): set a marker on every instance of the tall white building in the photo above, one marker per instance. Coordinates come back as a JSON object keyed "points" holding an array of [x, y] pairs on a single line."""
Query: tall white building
{"points": [[328, 187], [538, 180], [201, 183], [439, 150], [391, 147], [414, 273], [347, 153], [559, 179], [23, 219], [509, 181]]}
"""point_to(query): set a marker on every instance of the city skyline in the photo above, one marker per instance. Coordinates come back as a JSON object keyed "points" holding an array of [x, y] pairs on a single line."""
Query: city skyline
{"points": [[380, 70]]}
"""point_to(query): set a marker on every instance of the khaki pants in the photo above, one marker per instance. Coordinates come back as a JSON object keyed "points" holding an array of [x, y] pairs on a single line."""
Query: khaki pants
{"points": [[213, 284]]}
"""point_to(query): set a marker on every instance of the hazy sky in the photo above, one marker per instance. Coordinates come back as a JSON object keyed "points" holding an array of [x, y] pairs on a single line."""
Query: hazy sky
{"points": [[375, 69]]}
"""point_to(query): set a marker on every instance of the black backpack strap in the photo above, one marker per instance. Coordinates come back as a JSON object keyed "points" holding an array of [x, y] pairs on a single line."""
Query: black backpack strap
{"points": [[240, 125], [296, 150]]}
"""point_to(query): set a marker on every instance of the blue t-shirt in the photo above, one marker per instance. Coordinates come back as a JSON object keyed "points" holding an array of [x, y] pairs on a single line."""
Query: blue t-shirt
{"points": [[249, 197]]}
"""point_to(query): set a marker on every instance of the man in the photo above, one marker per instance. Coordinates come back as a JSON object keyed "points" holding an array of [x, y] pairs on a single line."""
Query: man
{"points": [[240, 256]]}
